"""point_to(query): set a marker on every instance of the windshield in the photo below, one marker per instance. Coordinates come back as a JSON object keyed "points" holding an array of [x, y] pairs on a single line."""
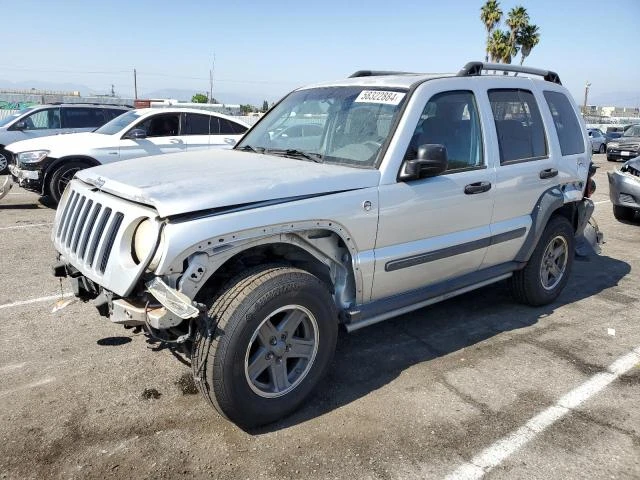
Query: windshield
{"points": [[118, 123], [632, 131], [339, 125], [13, 116]]}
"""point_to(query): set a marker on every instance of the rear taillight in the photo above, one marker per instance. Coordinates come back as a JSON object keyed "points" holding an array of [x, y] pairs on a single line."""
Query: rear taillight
{"points": [[591, 183]]}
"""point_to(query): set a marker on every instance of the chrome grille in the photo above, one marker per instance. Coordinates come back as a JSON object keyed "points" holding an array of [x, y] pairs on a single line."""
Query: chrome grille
{"points": [[87, 231]]}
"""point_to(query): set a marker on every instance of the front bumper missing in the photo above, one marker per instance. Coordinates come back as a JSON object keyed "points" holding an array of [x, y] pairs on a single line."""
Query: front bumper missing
{"points": [[174, 308]]}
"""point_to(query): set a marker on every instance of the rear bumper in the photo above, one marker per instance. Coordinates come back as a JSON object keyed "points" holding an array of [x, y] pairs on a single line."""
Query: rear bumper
{"points": [[621, 154]]}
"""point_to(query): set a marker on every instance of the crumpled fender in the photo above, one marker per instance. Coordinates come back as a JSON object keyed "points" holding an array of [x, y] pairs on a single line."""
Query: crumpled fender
{"points": [[588, 235]]}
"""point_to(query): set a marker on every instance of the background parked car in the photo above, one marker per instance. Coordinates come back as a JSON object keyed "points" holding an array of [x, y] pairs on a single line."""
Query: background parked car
{"points": [[612, 136], [45, 165], [52, 119], [598, 140], [625, 147], [624, 190]]}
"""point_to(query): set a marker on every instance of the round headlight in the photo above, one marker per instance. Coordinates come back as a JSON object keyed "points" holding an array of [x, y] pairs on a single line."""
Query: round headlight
{"points": [[145, 238]]}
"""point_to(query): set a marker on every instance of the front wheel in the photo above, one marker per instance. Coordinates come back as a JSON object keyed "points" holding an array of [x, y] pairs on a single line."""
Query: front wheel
{"points": [[603, 148], [61, 177], [274, 337], [4, 162], [547, 271]]}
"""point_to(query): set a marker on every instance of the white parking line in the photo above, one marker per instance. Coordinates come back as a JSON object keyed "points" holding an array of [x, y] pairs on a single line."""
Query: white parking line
{"points": [[602, 201], [11, 367], [32, 225], [35, 300], [497, 453], [39, 383]]}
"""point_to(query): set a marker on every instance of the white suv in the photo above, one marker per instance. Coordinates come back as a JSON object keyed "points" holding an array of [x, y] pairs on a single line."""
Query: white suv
{"points": [[45, 165], [350, 202]]}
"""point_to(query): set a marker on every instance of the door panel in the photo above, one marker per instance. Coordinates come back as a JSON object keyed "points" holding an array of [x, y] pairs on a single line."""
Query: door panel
{"points": [[429, 229], [163, 136], [526, 169]]}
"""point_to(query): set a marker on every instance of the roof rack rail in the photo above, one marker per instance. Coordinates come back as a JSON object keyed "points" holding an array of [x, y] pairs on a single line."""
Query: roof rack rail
{"points": [[475, 68], [376, 73]]}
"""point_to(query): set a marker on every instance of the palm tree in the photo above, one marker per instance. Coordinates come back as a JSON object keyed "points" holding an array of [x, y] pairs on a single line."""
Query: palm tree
{"points": [[490, 14], [499, 47], [517, 19], [528, 37]]}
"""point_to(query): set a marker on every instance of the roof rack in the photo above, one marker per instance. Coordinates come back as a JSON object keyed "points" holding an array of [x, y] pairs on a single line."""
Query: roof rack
{"points": [[376, 73], [472, 69]]}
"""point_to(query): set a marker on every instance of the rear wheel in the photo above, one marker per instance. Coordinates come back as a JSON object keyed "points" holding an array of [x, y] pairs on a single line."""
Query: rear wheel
{"points": [[275, 335], [624, 214], [61, 177], [547, 272], [603, 148]]}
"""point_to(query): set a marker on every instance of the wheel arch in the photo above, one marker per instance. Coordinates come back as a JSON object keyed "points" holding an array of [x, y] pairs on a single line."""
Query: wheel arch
{"points": [[321, 252], [54, 165], [552, 202]]}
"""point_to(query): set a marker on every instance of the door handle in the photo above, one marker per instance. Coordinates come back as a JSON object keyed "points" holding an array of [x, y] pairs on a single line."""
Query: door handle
{"points": [[548, 173], [478, 187]]}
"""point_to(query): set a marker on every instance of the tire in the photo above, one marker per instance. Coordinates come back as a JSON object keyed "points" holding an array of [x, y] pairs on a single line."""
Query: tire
{"points": [[536, 284], [624, 214], [251, 308], [603, 148], [61, 176], [611, 159], [4, 162]]}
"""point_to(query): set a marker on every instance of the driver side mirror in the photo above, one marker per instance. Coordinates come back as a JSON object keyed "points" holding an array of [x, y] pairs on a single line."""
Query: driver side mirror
{"points": [[21, 125], [136, 134], [431, 161]]}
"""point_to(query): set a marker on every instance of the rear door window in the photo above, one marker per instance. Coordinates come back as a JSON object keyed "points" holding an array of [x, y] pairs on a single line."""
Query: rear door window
{"points": [[566, 123], [521, 134], [197, 124], [78, 117], [227, 127]]}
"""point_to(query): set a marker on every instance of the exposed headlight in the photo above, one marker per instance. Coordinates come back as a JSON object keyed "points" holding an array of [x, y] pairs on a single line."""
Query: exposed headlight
{"points": [[613, 144], [33, 156], [144, 243]]}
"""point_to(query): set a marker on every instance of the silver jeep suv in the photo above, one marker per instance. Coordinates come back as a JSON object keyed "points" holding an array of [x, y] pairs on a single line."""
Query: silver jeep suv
{"points": [[349, 203]]}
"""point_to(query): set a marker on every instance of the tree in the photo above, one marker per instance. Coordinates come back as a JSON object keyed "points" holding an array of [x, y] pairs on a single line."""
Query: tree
{"points": [[490, 14], [246, 109], [265, 106], [497, 45], [200, 98], [528, 37], [517, 19]]}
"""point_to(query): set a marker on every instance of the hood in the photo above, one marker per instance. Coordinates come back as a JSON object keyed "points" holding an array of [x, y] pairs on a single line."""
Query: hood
{"points": [[187, 182], [53, 142]]}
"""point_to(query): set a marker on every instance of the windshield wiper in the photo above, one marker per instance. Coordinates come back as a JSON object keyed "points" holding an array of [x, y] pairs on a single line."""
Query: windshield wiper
{"points": [[249, 148], [290, 152]]}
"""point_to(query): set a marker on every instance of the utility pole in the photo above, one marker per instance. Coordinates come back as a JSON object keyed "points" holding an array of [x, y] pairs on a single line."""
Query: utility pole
{"points": [[135, 84], [213, 63], [586, 95], [113, 90]]}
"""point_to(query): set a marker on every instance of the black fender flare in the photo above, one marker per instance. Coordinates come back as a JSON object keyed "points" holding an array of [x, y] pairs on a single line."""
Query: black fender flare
{"points": [[549, 202]]}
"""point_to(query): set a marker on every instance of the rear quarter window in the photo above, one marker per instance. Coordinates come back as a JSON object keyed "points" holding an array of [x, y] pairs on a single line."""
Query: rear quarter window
{"points": [[566, 123]]}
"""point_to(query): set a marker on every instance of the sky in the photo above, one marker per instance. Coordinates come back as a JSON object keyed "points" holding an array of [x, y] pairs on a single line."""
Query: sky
{"points": [[264, 49]]}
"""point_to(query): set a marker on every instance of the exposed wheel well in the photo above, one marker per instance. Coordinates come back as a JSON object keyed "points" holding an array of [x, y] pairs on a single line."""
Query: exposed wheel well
{"points": [[284, 253], [570, 212]]}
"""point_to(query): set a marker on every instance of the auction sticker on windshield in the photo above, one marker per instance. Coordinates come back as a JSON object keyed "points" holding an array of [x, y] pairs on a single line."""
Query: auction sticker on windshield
{"points": [[379, 96]]}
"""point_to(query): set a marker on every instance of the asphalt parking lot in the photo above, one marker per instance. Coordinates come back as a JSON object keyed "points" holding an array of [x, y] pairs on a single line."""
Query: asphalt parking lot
{"points": [[475, 386]]}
